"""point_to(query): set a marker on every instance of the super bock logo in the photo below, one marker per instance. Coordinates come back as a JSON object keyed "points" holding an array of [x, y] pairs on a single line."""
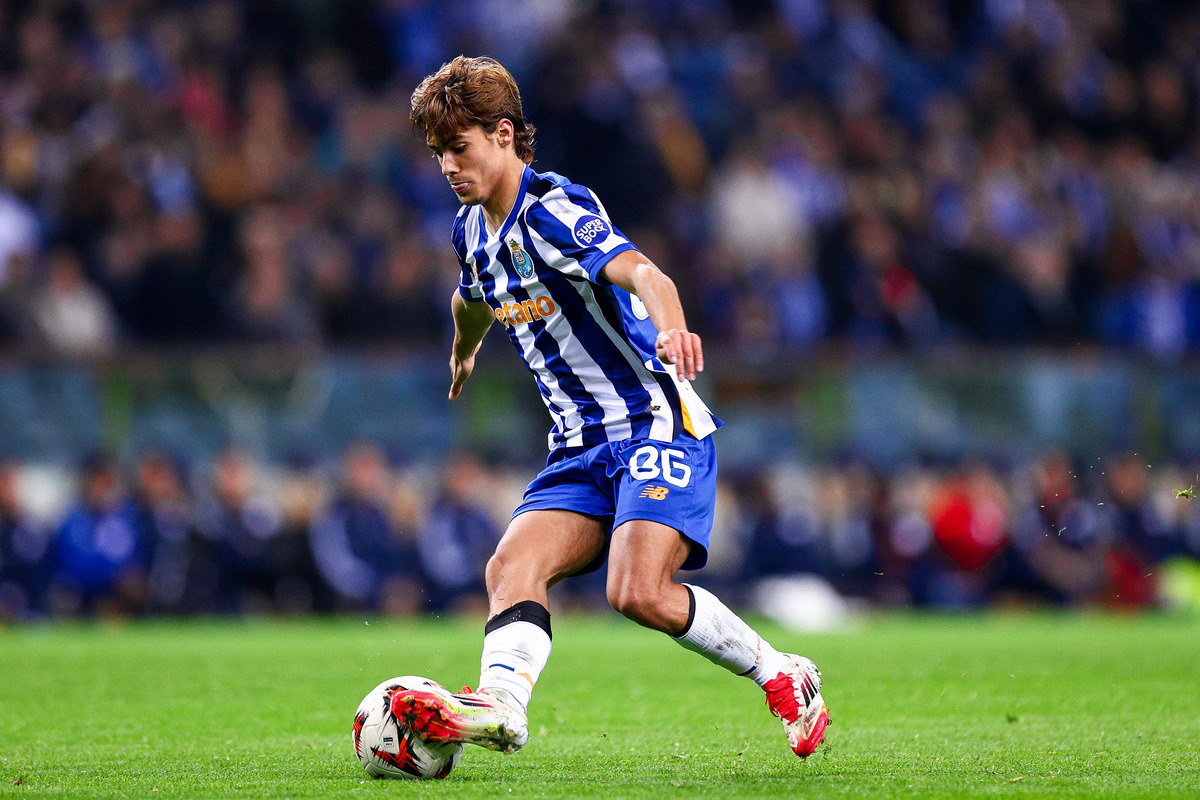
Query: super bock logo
{"points": [[590, 230], [521, 259]]}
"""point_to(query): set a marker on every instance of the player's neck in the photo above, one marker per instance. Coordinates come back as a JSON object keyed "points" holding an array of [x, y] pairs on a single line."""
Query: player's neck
{"points": [[497, 207]]}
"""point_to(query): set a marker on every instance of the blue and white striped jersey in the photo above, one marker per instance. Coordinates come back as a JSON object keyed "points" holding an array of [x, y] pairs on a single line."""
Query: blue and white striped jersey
{"points": [[588, 343]]}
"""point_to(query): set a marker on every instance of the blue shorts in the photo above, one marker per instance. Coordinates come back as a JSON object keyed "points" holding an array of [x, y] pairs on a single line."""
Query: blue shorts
{"points": [[674, 483]]}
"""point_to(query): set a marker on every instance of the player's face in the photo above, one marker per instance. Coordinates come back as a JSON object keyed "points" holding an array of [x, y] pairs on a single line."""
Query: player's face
{"points": [[473, 161]]}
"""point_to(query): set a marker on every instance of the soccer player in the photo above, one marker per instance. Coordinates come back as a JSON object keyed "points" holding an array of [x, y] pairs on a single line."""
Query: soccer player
{"points": [[632, 469]]}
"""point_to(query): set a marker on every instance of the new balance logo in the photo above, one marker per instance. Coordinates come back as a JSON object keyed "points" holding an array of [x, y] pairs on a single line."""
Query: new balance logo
{"points": [[655, 492]]}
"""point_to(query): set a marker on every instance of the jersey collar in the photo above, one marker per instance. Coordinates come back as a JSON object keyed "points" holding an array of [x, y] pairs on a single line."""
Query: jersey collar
{"points": [[526, 176]]}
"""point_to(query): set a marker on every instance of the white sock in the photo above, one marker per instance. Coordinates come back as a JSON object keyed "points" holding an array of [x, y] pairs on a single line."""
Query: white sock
{"points": [[724, 638], [513, 658]]}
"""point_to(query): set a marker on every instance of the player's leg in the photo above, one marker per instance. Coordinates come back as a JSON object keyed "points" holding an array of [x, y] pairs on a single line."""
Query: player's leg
{"points": [[642, 562], [643, 558], [665, 503], [540, 548]]}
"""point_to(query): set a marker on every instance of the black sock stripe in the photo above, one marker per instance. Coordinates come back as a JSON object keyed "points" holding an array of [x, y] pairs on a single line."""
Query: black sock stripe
{"points": [[691, 611], [524, 611]]}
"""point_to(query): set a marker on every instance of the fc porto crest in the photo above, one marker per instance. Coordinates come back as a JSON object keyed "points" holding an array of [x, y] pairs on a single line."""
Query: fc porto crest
{"points": [[521, 259]]}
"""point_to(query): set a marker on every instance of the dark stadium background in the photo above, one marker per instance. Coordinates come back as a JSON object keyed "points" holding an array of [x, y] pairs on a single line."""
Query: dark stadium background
{"points": [[945, 257]]}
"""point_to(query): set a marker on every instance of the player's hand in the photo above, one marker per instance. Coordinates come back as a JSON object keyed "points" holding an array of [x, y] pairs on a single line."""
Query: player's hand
{"points": [[681, 348], [460, 370]]}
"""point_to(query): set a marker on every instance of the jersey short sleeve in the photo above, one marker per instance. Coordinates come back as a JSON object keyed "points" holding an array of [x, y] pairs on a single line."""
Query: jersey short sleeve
{"points": [[468, 279], [577, 231]]}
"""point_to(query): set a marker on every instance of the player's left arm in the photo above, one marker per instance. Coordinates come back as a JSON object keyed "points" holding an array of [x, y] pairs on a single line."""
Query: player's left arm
{"points": [[675, 344]]}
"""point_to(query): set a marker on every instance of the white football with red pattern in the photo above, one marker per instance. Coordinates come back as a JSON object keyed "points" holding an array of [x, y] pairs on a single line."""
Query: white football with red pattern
{"points": [[387, 749]]}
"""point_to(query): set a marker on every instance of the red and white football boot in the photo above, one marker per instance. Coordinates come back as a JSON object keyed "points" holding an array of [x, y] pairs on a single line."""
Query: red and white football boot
{"points": [[795, 697], [482, 718]]}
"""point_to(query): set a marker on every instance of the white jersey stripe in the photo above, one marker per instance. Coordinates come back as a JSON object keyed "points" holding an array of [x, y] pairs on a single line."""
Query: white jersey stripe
{"points": [[569, 419]]}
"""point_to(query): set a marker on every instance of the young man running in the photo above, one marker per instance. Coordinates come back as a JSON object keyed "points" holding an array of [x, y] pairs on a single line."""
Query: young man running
{"points": [[632, 469]]}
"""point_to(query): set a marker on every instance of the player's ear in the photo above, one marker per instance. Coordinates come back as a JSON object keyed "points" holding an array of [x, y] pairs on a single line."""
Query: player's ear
{"points": [[504, 132]]}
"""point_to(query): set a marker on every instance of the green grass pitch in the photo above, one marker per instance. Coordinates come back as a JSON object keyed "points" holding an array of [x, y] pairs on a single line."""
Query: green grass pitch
{"points": [[971, 706]]}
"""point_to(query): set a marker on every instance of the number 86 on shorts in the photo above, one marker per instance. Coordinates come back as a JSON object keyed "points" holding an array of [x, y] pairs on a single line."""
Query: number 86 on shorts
{"points": [[674, 483], [649, 463]]}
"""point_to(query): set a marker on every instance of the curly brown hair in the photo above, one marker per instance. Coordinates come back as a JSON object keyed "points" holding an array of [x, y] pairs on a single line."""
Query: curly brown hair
{"points": [[466, 92]]}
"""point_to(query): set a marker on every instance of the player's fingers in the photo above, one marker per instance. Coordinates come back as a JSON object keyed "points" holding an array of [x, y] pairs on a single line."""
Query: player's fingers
{"points": [[458, 376], [680, 361], [665, 345], [687, 349], [675, 352], [683, 350]]}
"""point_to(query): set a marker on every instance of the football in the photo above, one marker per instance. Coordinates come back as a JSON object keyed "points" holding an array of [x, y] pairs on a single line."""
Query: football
{"points": [[387, 749]]}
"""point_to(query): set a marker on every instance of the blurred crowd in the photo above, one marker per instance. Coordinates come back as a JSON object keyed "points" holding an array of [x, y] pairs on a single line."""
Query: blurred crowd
{"points": [[895, 172], [367, 535], [245, 537]]}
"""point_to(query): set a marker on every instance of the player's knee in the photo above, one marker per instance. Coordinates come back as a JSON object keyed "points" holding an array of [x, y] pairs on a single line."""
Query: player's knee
{"points": [[493, 573], [510, 572], [634, 600]]}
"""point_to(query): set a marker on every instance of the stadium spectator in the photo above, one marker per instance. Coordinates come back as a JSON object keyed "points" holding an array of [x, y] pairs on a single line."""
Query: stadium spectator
{"points": [[173, 295], [776, 542], [20, 232], [172, 540], [847, 503], [244, 567], [22, 551], [268, 304], [70, 317], [970, 520], [302, 492], [458, 536], [1060, 539], [99, 556], [1142, 538], [905, 541], [357, 551]]}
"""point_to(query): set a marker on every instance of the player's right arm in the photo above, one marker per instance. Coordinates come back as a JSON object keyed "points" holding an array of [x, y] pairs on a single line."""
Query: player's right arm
{"points": [[472, 318], [675, 344]]}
